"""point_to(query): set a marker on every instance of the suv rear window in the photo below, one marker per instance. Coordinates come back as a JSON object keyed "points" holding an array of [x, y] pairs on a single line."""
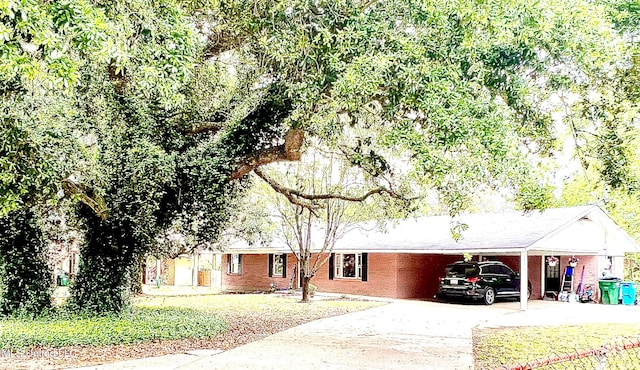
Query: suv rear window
{"points": [[462, 269]]}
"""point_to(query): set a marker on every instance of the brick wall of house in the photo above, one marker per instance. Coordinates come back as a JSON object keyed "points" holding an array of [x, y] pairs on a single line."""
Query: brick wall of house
{"points": [[381, 282], [591, 270], [254, 274], [418, 274], [382, 276], [391, 274], [414, 272], [535, 270]]}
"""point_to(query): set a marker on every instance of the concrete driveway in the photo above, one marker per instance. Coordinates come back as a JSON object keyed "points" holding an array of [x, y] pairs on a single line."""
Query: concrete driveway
{"points": [[401, 335]]}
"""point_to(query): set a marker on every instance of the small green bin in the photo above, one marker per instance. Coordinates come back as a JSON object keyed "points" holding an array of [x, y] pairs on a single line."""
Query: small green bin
{"points": [[64, 280], [609, 291]]}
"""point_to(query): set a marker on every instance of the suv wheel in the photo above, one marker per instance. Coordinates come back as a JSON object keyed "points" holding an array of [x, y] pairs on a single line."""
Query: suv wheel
{"points": [[489, 296]]}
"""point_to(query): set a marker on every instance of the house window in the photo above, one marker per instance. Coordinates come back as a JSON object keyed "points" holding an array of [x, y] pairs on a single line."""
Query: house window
{"points": [[234, 264], [348, 265], [277, 265]]}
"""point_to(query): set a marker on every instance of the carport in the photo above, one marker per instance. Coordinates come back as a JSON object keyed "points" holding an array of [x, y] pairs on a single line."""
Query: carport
{"points": [[526, 237]]}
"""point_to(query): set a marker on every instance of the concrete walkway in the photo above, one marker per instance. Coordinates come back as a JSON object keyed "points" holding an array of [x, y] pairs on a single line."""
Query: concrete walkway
{"points": [[401, 335]]}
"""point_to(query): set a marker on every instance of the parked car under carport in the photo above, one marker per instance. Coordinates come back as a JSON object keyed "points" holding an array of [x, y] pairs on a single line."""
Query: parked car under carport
{"points": [[476, 280]]}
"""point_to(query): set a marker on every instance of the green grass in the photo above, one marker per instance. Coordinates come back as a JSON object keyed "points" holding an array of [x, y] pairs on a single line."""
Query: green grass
{"points": [[166, 317], [509, 346], [262, 304], [61, 328]]}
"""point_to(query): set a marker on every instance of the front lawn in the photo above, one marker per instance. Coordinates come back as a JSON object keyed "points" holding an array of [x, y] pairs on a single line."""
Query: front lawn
{"points": [[255, 316], [159, 325], [276, 305]]}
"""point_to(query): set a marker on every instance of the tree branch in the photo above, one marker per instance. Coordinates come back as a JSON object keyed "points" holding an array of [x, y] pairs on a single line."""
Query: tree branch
{"points": [[293, 193], [87, 196], [222, 41], [288, 193], [289, 151], [309, 201], [118, 77]]}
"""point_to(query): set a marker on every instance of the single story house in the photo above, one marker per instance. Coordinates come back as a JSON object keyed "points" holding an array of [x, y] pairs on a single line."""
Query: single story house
{"points": [[407, 260], [199, 268]]}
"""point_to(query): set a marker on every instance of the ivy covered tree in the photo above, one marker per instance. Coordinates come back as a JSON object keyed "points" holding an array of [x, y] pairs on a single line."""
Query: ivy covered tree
{"points": [[25, 277], [183, 100], [42, 46], [123, 106]]}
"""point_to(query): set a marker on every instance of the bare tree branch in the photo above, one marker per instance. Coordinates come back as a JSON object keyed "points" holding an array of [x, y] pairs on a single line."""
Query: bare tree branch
{"points": [[214, 122], [286, 192], [293, 194]]}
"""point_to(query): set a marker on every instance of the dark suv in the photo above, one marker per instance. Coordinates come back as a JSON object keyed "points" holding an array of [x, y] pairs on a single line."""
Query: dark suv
{"points": [[480, 280]]}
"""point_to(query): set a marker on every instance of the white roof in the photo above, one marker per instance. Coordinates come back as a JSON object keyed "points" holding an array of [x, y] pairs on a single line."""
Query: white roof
{"points": [[585, 230]]}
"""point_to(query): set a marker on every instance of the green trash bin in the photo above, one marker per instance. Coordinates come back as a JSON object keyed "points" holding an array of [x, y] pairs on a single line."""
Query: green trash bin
{"points": [[609, 291], [64, 280]]}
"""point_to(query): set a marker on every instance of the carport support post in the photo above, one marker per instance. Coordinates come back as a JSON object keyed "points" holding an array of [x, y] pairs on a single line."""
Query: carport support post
{"points": [[524, 278]]}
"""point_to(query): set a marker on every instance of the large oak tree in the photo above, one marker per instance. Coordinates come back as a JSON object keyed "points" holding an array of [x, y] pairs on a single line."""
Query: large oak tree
{"points": [[189, 98]]}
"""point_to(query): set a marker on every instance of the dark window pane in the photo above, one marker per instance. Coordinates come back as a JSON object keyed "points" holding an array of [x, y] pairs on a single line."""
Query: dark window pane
{"points": [[463, 269], [349, 265]]}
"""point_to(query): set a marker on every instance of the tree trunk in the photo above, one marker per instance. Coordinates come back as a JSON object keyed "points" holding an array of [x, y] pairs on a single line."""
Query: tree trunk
{"points": [[25, 277], [107, 260], [305, 288], [306, 275], [136, 277]]}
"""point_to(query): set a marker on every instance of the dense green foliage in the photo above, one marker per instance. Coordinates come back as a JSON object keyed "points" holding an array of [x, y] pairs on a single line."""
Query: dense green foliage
{"points": [[25, 278], [122, 107], [603, 127], [61, 329], [42, 45], [460, 90], [150, 114], [601, 112]]}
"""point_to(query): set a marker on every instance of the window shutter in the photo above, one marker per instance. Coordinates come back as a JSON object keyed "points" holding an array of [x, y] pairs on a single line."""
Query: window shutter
{"points": [[270, 264], [284, 265], [365, 266], [239, 264], [331, 265], [228, 263]]}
